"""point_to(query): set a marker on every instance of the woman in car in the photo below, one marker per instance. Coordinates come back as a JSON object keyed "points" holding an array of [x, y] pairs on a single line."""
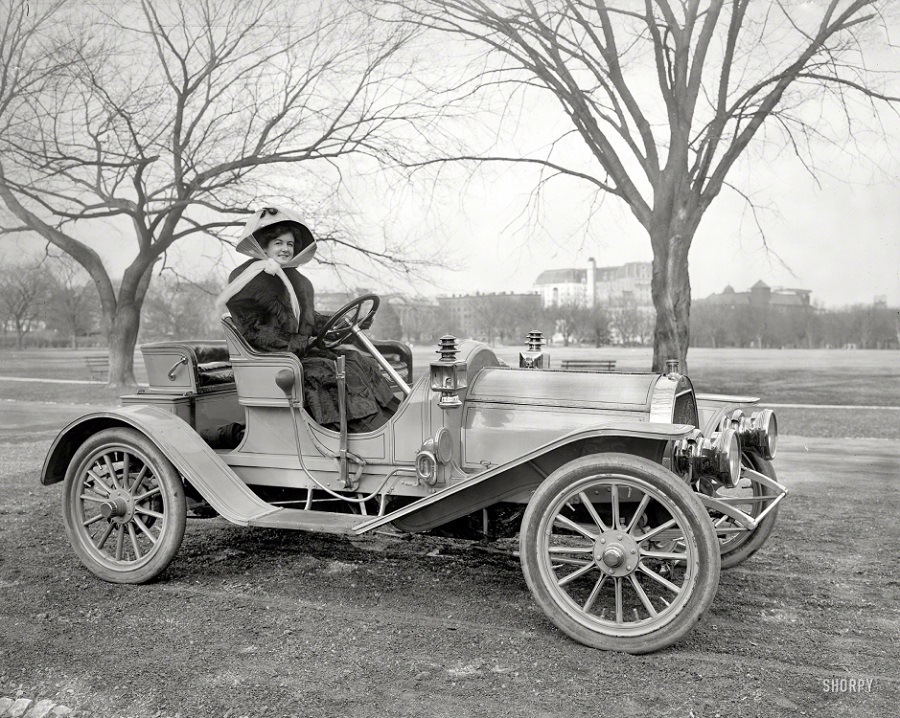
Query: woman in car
{"points": [[272, 306]]}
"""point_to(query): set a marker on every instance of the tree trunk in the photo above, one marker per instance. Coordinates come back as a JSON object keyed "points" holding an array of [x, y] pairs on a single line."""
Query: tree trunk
{"points": [[122, 335], [671, 291]]}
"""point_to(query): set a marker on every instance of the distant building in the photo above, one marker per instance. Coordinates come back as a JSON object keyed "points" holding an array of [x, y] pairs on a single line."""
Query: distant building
{"points": [[592, 285], [760, 296], [490, 316], [420, 318]]}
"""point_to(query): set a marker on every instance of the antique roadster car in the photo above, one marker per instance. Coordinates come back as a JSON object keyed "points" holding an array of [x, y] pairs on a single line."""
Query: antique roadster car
{"points": [[627, 491]]}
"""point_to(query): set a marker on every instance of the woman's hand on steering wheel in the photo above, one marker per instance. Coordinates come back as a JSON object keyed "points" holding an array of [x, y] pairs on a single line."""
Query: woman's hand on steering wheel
{"points": [[346, 321]]}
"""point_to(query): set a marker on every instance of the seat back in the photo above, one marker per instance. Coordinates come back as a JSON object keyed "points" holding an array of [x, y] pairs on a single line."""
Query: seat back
{"points": [[255, 371]]}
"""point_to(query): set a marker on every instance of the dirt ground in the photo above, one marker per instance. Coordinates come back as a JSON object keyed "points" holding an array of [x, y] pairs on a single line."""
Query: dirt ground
{"points": [[254, 622]]}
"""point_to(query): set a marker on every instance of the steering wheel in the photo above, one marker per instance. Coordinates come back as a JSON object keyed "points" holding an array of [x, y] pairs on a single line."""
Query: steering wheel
{"points": [[346, 321]]}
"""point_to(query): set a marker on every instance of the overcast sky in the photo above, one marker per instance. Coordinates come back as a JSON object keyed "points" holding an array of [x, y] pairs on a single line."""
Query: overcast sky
{"points": [[837, 237]]}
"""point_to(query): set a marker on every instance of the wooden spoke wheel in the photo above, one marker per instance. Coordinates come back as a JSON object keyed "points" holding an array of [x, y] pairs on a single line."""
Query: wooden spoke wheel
{"points": [[619, 553], [123, 506]]}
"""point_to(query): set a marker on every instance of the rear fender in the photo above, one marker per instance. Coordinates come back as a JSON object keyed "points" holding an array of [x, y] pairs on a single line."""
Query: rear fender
{"points": [[191, 456], [518, 478]]}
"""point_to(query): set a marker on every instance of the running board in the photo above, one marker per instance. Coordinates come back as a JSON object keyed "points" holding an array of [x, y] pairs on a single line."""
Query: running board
{"points": [[302, 520]]}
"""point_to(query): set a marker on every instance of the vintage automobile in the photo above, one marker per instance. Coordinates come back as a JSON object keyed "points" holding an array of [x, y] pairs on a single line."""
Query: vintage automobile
{"points": [[627, 491]]}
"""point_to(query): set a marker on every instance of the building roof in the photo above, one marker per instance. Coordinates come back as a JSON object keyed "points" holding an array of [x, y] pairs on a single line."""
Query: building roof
{"points": [[779, 297], [562, 276], [575, 275]]}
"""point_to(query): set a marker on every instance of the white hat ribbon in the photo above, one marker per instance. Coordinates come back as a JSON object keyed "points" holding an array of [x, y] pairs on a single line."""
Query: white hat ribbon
{"points": [[269, 266]]}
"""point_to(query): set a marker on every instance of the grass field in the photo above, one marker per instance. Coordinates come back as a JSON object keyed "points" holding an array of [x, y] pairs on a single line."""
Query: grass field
{"points": [[857, 378], [268, 623]]}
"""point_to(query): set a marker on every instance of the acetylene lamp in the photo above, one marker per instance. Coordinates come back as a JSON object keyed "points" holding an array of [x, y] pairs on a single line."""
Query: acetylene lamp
{"points": [[534, 357], [448, 375]]}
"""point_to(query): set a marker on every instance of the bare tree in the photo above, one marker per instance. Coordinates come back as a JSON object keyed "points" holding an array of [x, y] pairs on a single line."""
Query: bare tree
{"points": [[24, 295], [153, 123], [628, 319], [572, 319], [73, 310], [176, 307], [666, 97]]}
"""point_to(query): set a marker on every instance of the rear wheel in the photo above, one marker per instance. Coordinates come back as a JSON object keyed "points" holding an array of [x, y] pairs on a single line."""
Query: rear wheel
{"points": [[123, 506], [751, 497], [619, 553]]}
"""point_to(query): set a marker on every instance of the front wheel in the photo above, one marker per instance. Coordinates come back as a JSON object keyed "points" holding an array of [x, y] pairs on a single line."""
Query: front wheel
{"points": [[735, 543], [123, 506], [619, 553]]}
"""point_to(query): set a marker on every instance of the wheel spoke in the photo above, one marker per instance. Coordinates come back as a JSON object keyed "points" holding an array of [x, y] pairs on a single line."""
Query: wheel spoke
{"points": [[614, 503], [134, 541], [147, 494], [148, 512], [576, 574], [102, 542], [99, 482], [111, 471], [568, 523], [120, 542], [562, 561], [659, 579], [620, 613], [138, 479], [126, 468], [570, 549], [638, 513], [666, 555], [95, 499], [639, 590], [640, 538], [592, 511], [92, 520], [143, 527], [592, 599]]}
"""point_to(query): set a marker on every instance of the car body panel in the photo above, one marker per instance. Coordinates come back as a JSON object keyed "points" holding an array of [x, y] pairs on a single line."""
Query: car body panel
{"points": [[512, 428], [713, 407]]}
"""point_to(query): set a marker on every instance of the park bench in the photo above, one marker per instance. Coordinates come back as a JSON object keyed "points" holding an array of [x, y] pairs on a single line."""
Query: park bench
{"points": [[98, 366], [589, 364]]}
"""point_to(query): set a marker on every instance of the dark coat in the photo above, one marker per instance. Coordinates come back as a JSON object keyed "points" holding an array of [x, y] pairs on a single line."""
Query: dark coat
{"points": [[263, 315]]}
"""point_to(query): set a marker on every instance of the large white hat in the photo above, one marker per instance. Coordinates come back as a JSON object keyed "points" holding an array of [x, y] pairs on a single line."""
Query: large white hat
{"points": [[304, 247]]}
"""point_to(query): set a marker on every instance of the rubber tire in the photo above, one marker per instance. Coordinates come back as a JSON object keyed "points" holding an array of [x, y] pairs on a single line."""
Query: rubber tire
{"points": [[738, 554], [172, 495], [699, 527]]}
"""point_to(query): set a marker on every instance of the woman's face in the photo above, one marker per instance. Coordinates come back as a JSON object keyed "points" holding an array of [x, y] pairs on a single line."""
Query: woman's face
{"points": [[281, 249]]}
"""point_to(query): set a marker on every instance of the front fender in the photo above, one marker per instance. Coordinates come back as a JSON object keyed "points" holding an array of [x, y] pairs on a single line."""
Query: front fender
{"points": [[525, 473], [194, 459], [712, 407]]}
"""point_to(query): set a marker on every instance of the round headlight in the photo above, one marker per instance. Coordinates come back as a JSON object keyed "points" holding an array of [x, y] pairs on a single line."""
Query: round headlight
{"points": [[729, 450], [765, 428], [443, 445], [772, 436], [720, 457]]}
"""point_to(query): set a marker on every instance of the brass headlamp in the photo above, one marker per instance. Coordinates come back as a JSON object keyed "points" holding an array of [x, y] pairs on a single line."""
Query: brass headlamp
{"points": [[758, 431]]}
